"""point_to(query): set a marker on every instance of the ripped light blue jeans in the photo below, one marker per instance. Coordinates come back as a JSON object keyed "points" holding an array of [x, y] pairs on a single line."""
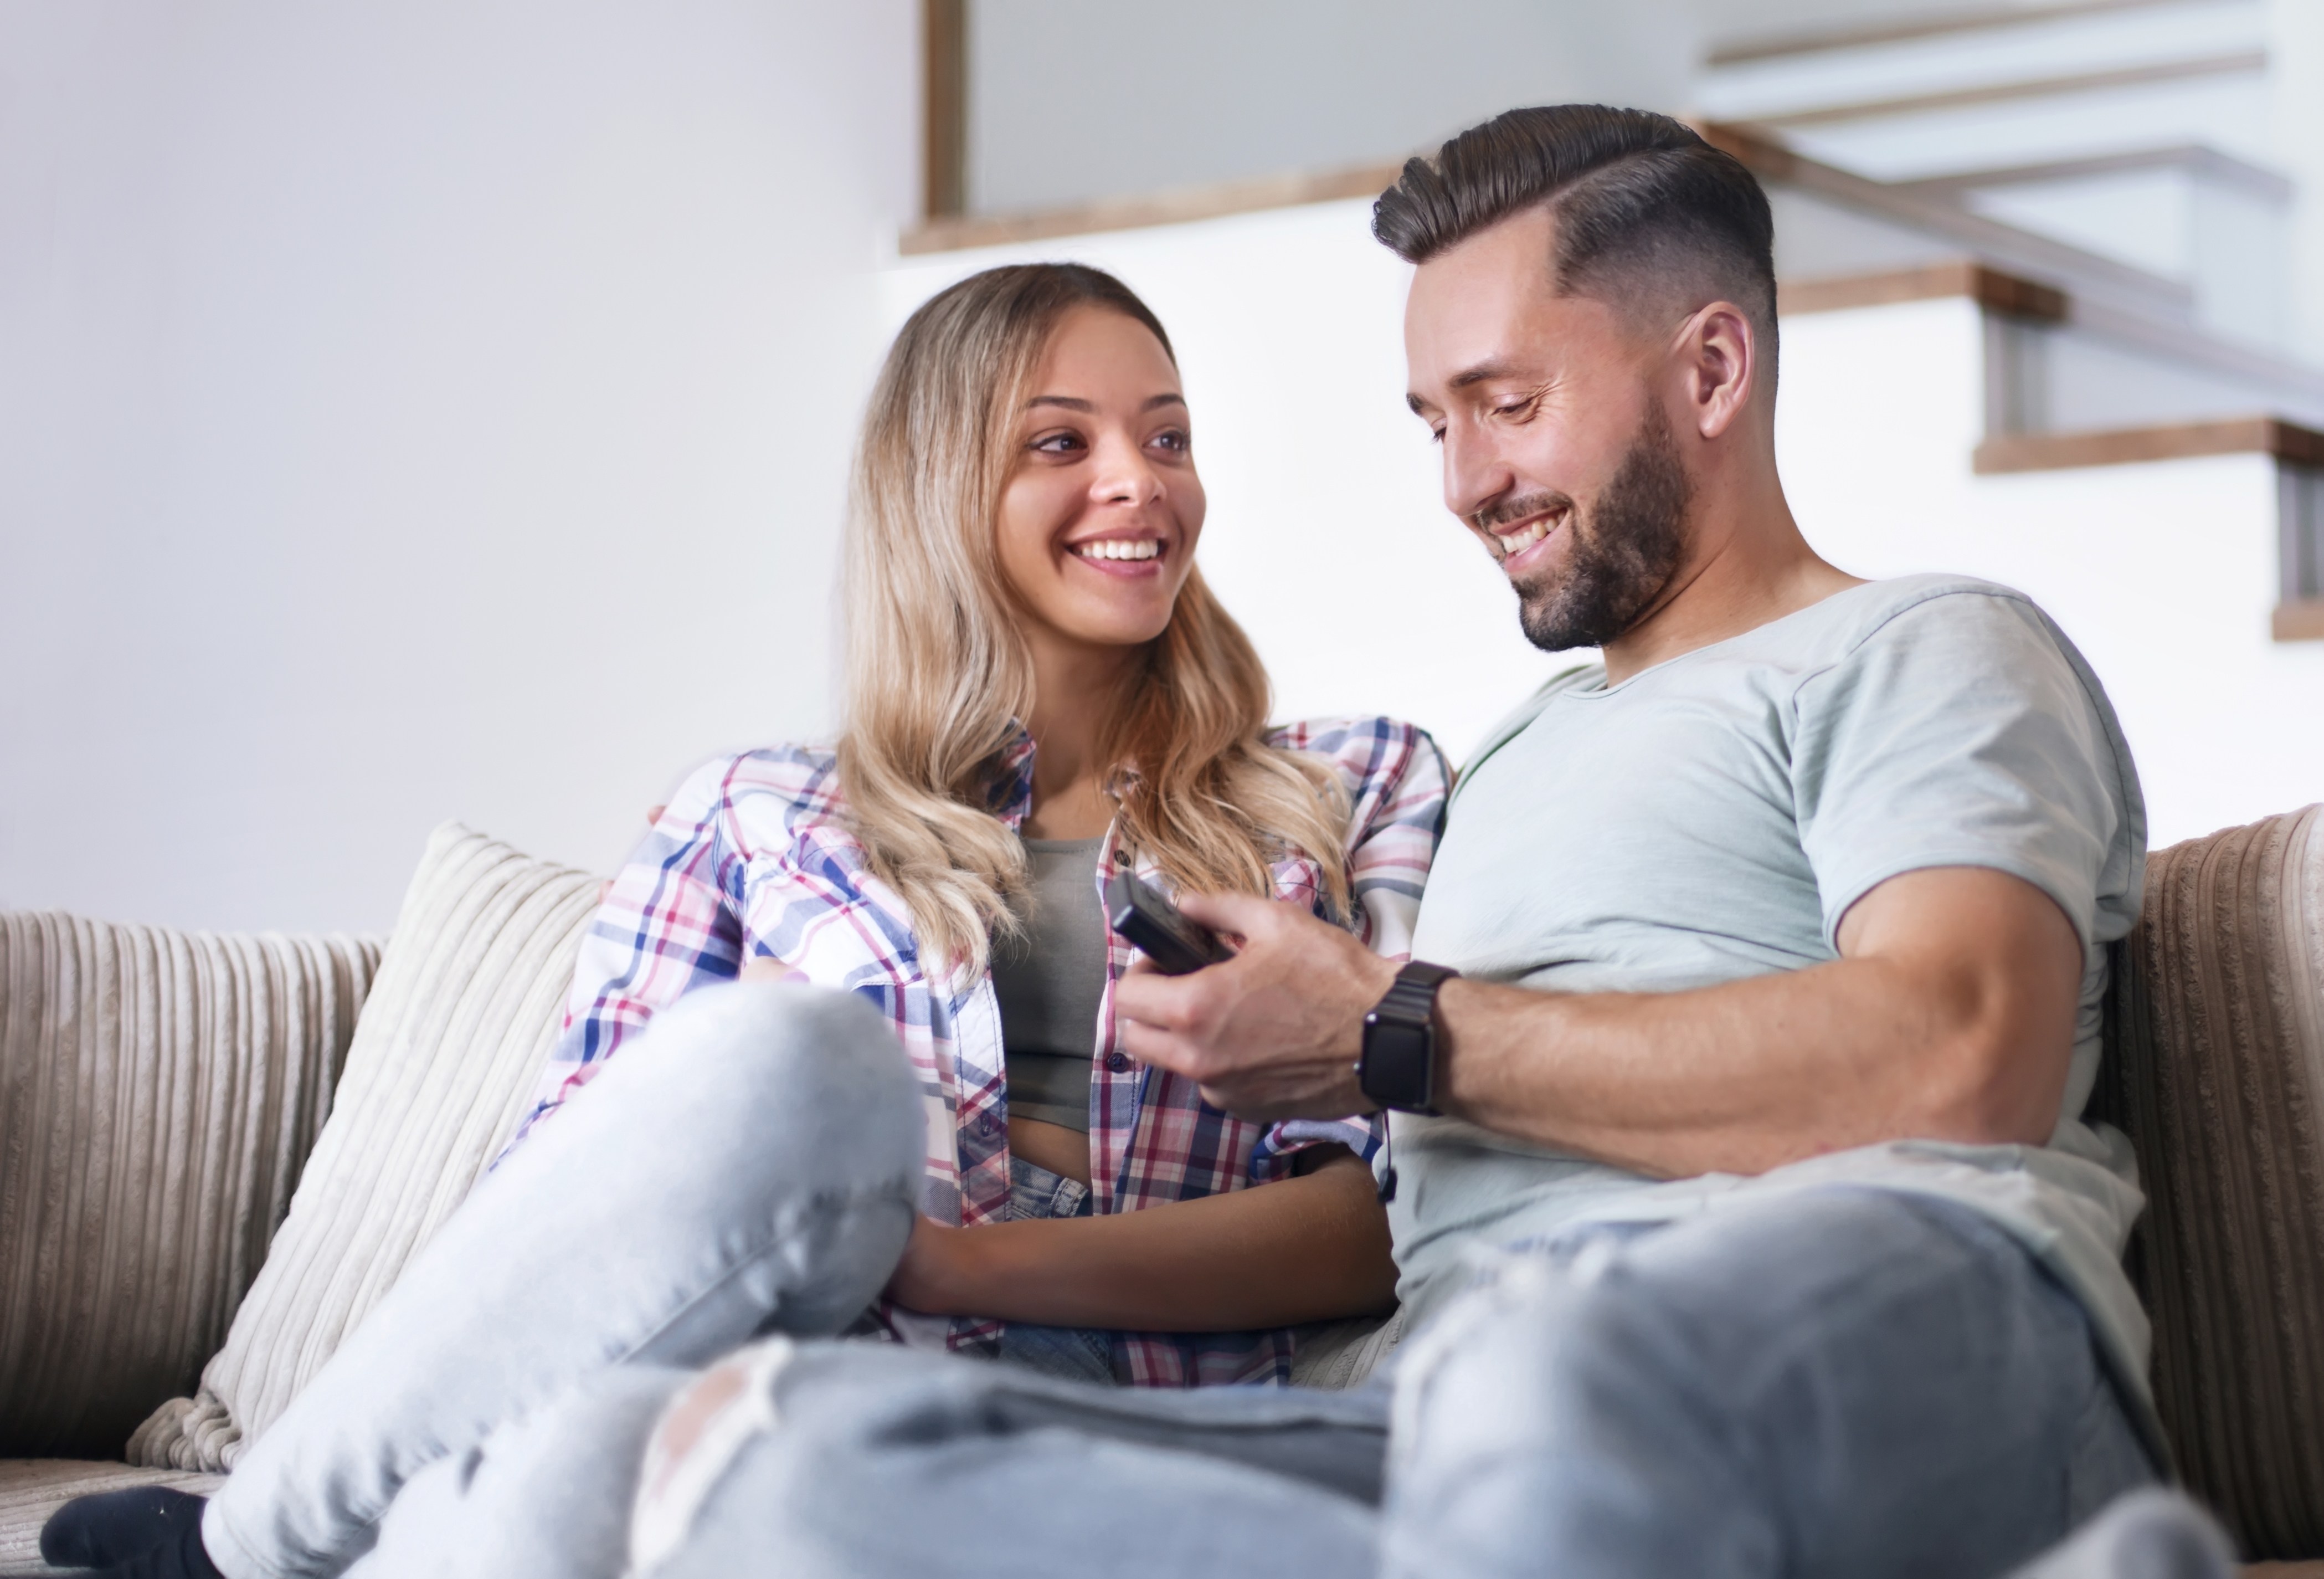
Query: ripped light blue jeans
{"points": [[1848, 1383]]}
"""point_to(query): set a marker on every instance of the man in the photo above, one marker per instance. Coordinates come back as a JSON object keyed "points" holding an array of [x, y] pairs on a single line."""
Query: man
{"points": [[1781, 945], [1742, 1206]]}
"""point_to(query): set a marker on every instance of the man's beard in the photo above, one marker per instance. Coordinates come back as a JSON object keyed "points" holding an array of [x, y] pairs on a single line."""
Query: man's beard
{"points": [[1625, 549]]}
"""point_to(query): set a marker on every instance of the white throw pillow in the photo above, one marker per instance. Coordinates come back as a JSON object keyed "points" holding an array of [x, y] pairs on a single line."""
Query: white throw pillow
{"points": [[468, 1000]]}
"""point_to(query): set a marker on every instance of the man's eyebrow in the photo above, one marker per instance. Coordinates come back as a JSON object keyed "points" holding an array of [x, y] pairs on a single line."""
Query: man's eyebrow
{"points": [[1479, 373], [1467, 378]]}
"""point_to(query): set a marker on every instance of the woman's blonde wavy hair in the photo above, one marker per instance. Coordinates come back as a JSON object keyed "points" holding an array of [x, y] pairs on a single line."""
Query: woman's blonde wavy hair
{"points": [[938, 674]]}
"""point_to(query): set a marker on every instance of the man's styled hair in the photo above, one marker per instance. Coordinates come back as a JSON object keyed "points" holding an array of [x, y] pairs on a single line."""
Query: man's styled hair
{"points": [[1639, 200]]}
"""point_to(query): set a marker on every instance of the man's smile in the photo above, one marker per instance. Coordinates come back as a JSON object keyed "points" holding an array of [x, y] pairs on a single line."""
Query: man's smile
{"points": [[1523, 545]]}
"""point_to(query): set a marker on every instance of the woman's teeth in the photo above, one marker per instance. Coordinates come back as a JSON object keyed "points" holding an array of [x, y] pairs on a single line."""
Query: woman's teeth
{"points": [[1119, 549]]}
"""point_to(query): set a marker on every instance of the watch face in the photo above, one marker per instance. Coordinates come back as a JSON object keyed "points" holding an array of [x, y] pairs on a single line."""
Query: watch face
{"points": [[1399, 1062], [1396, 1065]]}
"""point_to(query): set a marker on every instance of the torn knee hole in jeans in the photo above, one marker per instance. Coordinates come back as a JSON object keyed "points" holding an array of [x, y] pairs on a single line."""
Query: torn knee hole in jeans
{"points": [[702, 1431]]}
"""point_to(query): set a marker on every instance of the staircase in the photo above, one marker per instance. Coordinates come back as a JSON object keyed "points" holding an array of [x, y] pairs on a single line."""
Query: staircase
{"points": [[2139, 131]]}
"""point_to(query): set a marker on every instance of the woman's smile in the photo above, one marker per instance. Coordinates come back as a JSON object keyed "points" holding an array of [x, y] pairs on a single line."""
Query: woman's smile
{"points": [[1129, 558]]}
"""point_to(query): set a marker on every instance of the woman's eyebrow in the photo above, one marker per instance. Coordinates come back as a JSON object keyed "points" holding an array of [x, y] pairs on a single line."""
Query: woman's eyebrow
{"points": [[1074, 404]]}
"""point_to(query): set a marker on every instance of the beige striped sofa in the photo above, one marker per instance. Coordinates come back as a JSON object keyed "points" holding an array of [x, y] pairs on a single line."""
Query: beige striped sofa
{"points": [[217, 1152]]}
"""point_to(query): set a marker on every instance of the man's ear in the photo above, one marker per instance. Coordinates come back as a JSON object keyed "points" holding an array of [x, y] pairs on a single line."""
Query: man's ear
{"points": [[1720, 353]]}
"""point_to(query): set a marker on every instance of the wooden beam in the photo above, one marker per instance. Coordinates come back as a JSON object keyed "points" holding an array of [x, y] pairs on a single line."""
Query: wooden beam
{"points": [[1988, 287], [1867, 35], [2302, 621], [944, 108], [1174, 207], [2193, 157], [1910, 104], [2042, 452]]}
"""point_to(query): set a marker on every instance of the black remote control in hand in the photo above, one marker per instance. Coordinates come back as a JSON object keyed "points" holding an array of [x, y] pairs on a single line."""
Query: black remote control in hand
{"points": [[1144, 914]]}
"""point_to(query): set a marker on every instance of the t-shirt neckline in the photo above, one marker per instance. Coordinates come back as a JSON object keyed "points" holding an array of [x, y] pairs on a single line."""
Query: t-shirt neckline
{"points": [[1604, 689]]}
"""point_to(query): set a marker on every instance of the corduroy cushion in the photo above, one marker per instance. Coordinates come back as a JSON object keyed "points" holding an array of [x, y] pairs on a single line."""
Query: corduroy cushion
{"points": [[468, 999], [2216, 1069], [159, 1091]]}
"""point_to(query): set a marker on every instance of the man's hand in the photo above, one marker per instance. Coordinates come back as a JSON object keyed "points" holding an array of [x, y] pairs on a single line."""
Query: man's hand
{"points": [[1273, 1033]]}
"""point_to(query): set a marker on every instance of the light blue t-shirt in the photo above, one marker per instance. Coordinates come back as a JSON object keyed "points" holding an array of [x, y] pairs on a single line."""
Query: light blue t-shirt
{"points": [[1713, 818]]}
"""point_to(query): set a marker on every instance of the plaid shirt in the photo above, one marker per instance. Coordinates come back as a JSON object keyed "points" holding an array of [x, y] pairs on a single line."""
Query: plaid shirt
{"points": [[753, 858]]}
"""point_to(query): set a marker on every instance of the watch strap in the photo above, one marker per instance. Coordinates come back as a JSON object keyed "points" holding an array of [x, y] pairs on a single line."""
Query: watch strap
{"points": [[1414, 991]]}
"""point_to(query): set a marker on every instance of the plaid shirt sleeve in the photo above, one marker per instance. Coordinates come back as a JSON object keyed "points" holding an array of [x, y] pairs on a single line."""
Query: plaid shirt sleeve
{"points": [[1396, 780], [665, 927]]}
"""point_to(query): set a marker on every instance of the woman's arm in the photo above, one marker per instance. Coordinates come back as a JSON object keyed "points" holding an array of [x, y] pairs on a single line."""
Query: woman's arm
{"points": [[1310, 1248]]}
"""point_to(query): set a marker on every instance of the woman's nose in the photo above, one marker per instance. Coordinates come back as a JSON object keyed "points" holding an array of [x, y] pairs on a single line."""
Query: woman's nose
{"points": [[1126, 474]]}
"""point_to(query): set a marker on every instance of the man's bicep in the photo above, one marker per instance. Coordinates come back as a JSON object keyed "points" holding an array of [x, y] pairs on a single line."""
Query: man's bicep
{"points": [[1994, 966], [1969, 910], [1963, 736]]}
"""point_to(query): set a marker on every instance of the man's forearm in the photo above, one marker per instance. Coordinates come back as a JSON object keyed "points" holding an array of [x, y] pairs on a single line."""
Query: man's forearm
{"points": [[1749, 1075], [1734, 1079], [1948, 1016], [1306, 1249]]}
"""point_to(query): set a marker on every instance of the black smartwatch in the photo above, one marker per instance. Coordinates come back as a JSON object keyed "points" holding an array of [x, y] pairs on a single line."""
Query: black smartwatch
{"points": [[1398, 1068]]}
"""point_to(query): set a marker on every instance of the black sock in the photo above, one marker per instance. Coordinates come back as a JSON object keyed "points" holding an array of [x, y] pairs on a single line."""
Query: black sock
{"points": [[113, 1527], [182, 1557]]}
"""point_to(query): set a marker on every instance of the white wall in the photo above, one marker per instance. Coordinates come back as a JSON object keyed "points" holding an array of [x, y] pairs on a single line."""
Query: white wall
{"points": [[1070, 101], [416, 411], [2296, 103]]}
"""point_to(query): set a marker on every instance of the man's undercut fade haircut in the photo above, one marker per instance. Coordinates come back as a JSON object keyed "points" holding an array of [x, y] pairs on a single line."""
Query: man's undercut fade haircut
{"points": [[1644, 208]]}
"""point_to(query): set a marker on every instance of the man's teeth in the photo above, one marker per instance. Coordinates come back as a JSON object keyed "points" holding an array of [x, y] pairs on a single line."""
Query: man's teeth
{"points": [[1119, 549], [1525, 537]]}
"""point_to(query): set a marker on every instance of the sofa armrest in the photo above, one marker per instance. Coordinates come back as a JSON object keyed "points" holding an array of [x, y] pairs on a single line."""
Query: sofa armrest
{"points": [[2215, 1069], [159, 1091]]}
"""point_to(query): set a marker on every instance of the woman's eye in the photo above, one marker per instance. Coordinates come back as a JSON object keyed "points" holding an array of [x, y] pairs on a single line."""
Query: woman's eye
{"points": [[1059, 443], [1436, 436], [1176, 440]]}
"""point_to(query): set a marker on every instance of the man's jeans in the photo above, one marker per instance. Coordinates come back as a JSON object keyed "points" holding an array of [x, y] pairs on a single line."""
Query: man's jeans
{"points": [[1849, 1382]]}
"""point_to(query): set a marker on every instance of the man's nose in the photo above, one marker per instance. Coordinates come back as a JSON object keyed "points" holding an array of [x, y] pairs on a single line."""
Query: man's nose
{"points": [[1475, 474]]}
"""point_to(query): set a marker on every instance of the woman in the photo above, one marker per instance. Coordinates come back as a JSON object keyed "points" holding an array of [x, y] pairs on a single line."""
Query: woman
{"points": [[1041, 691], [1021, 547]]}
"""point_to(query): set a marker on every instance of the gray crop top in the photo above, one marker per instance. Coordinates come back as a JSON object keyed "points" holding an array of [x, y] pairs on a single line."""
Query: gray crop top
{"points": [[1050, 984]]}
